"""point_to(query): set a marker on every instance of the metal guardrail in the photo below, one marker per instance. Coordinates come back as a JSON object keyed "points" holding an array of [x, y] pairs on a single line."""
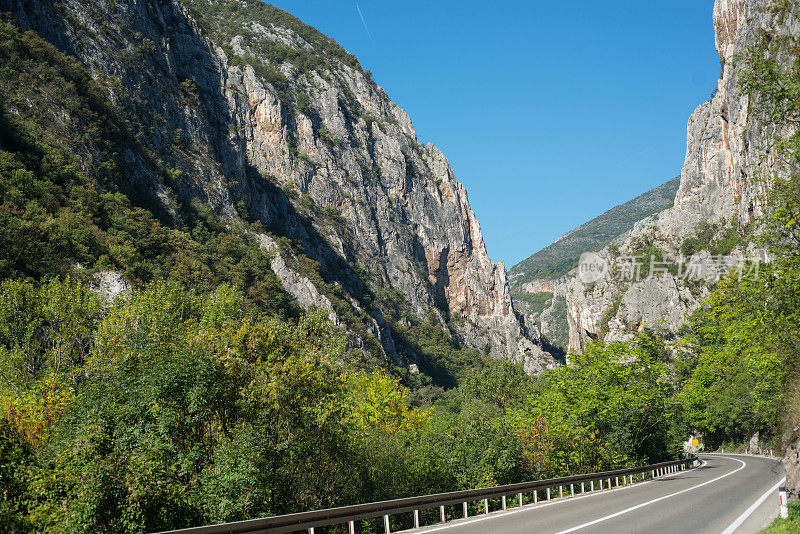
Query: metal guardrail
{"points": [[308, 521]]}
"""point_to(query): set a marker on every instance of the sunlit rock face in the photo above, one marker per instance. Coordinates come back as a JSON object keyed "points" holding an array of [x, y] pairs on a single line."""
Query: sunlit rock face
{"points": [[311, 148], [724, 182]]}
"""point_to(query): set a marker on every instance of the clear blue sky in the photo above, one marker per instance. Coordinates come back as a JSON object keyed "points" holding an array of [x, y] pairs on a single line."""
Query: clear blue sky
{"points": [[550, 112]]}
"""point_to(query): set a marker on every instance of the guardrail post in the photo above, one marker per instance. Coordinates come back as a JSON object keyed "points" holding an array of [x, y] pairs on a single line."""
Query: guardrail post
{"points": [[535, 496], [351, 527], [416, 519], [485, 506], [591, 485], [441, 513], [519, 496], [310, 530], [571, 492], [548, 494], [560, 491], [601, 483], [466, 512], [504, 502], [581, 487], [386, 528], [616, 481]]}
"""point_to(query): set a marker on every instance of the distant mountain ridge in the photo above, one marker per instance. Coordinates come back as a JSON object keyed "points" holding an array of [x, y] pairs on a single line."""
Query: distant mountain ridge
{"points": [[557, 259]]}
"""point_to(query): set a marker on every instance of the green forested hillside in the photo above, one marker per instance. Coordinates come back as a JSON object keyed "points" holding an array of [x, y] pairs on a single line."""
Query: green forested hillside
{"points": [[562, 256], [174, 409]]}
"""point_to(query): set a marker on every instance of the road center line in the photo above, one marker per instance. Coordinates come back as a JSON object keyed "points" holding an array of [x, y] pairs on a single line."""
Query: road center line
{"points": [[642, 505], [741, 519], [531, 507]]}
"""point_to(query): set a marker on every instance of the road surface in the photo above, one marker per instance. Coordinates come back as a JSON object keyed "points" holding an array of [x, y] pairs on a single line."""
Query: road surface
{"points": [[728, 493]]}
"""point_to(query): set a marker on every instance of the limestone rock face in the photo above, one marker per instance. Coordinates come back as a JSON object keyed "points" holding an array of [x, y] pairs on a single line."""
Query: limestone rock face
{"points": [[724, 152], [314, 150], [791, 463]]}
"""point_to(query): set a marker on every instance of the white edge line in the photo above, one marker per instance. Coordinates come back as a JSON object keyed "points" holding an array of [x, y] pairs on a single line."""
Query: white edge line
{"points": [[535, 506], [741, 519], [642, 505]]}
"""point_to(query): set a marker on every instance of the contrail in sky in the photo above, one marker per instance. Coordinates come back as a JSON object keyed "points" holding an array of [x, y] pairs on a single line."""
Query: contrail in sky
{"points": [[364, 22]]}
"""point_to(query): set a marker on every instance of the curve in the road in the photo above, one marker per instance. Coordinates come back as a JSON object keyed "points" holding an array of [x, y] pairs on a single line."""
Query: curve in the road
{"points": [[653, 501], [719, 496]]}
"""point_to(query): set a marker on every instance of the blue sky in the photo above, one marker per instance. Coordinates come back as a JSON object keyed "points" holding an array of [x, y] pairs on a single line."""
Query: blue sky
{"points": [[550, 112]]}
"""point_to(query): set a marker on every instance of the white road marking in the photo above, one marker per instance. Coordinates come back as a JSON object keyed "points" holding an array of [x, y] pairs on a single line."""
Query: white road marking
{"points": [[741, 519], [531, 507], [642, 505]]}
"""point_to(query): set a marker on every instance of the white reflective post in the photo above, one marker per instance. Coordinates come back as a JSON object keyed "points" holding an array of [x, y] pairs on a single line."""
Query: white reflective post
{"points": [[441, 513], [782, 502]]}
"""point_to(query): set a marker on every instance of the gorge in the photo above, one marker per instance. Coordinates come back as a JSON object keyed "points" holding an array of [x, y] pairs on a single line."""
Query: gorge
{"points": [[234, 283]]}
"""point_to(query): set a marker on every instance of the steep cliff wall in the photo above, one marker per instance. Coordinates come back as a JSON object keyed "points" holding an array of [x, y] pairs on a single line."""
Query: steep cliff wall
{"points": [[257, 117], [721, 196]]}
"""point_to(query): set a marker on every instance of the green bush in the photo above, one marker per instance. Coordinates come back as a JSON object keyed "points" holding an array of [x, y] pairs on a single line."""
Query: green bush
{"points": [[790, 525], [611, 407]]}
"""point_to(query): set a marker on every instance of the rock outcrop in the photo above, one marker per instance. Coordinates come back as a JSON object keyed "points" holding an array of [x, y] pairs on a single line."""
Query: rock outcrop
{"points": [[258, 117], [791, 463], [725, 153]]}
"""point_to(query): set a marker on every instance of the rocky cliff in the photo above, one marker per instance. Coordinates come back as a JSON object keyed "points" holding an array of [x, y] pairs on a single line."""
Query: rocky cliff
{"points": [[242, 111], [721, 196]]}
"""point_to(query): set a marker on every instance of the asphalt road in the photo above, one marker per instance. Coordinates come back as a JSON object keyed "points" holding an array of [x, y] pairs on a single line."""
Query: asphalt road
{"points": [[719, 497]]}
